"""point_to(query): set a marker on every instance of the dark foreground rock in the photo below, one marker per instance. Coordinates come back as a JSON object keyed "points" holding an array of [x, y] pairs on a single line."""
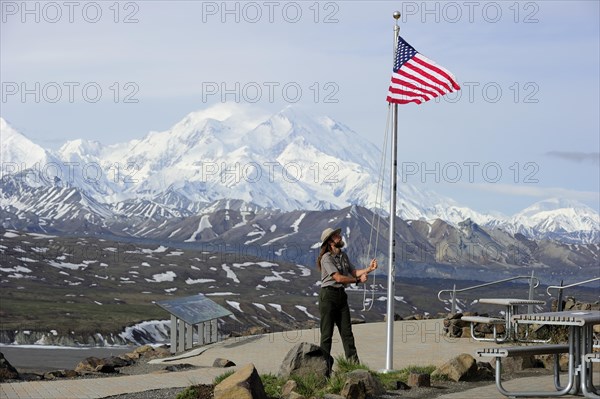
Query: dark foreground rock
{"points": [[7, 371], [304, 359]]}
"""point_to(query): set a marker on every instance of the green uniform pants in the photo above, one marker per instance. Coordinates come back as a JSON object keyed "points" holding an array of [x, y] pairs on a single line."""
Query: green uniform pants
{"points": [[333, 305]]}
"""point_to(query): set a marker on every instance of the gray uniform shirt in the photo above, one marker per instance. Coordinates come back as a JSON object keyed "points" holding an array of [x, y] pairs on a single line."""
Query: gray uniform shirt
{"points": [[335, 264]]}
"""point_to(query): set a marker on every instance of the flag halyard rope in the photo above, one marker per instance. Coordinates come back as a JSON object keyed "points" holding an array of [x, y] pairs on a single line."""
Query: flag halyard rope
{"points": [[378, 204]]}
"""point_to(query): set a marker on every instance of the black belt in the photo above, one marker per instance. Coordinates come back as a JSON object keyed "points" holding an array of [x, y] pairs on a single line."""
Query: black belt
{"points": [[330, 287]]}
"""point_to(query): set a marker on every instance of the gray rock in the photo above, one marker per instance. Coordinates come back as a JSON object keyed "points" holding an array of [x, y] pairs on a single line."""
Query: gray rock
{"points": [[51, 375], [289, 387], [220, 362], [485, 372], [454, 316], [105, 369], [419, 380], [117, 362], [106, 365], [354, 390], [517, 363], [305, 359], [88, 365], [31, 377], [179, 367], [397, 317], [372, 385], [570, 303]]}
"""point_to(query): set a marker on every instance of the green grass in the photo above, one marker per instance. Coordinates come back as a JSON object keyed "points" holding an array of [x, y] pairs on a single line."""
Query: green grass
{"points": [[389, 379], [218, 379], [273, 385], [310, 384], [313, 385], [343, 365], [188, 393], [336, 383]]}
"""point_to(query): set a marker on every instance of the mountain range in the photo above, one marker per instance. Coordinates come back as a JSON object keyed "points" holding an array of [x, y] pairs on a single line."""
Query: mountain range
{"points": [[228, 154]]}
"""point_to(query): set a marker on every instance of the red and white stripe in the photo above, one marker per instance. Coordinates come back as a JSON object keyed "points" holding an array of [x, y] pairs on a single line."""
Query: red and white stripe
{"points": [[420, 80]]}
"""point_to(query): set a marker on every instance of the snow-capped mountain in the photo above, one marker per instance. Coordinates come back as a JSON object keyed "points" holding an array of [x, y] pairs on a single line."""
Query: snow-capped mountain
{"points": [[286, 161], [15, 148], [554, 217]]}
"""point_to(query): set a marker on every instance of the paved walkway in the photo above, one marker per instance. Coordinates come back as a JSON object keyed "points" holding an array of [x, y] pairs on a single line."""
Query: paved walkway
{"points": [[415, 343], [542, 383]]}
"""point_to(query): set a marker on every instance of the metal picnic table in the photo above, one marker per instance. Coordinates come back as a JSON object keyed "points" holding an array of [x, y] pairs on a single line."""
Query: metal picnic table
{"points": [[512, 308], [580, 324]]}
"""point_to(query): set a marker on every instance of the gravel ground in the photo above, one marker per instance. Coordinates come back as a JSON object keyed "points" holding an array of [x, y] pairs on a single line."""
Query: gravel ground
{"points": [[170, 393]]}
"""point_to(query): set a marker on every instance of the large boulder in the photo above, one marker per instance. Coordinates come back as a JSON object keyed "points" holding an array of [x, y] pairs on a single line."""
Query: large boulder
{"points": [[305, 359], [460, 368], [243, 384], [7, 371]]}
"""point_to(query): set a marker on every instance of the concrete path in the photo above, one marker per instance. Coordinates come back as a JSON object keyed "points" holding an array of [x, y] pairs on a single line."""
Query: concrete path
{"points": [[415, 343], [541, 383]]}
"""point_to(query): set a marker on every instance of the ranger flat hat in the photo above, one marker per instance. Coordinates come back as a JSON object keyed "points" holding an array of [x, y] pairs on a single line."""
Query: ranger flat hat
{"points": [[327, 233]]}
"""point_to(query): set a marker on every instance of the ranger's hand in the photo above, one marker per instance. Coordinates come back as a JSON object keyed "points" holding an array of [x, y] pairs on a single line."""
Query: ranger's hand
{"points": [[372, 265]]}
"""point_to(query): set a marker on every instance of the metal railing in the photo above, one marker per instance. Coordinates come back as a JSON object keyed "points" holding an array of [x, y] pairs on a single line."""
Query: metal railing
{"points": [[454, 291], [560, 289]]}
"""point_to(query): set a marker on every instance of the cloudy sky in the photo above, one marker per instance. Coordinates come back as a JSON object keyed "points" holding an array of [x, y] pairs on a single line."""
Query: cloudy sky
{"points": [[524, 128]]}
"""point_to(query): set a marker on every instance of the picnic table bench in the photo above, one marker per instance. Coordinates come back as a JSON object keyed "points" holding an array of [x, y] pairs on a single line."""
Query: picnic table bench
{"points": [[493, 321], [579, 349], [499, 353]]}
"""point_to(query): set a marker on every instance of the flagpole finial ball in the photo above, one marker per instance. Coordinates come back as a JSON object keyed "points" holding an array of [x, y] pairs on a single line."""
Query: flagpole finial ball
{"points": [[396, 15]]}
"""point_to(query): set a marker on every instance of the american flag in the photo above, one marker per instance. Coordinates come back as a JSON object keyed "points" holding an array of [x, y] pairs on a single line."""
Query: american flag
{"points": [[417, 79]]}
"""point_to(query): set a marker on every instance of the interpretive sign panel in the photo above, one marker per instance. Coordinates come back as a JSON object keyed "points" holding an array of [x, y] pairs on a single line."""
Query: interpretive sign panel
{"points": [[194, 309]]}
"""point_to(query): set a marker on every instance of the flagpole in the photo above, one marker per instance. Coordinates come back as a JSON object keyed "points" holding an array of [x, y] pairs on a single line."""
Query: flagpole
{"points": [[389, 360]]}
